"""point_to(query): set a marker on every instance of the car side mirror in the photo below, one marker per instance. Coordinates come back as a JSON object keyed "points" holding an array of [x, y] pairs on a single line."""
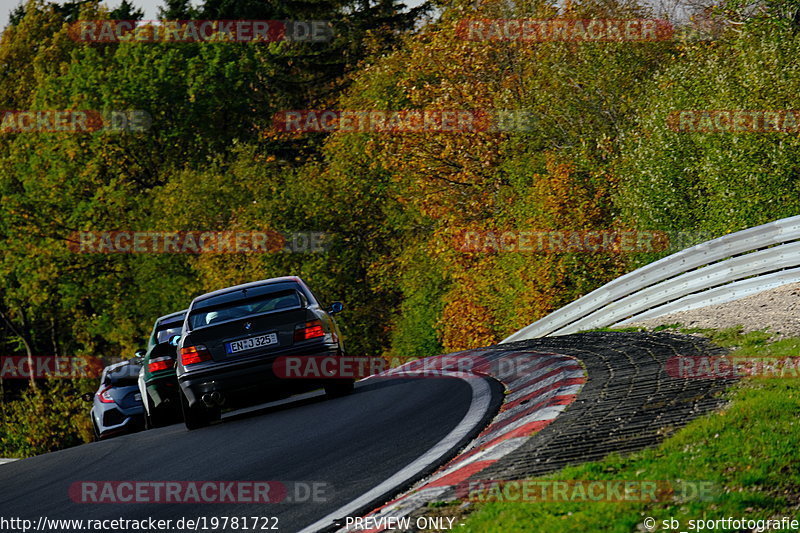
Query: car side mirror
{"points": [[174, 340], [140, 353], [336, 307], [87, 397]]}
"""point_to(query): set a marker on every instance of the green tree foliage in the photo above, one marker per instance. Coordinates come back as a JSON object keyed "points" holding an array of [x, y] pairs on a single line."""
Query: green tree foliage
{"points": [[126, 11], [46, 420], [16, 15], [211, 108], [177, 10], [720, 181]]}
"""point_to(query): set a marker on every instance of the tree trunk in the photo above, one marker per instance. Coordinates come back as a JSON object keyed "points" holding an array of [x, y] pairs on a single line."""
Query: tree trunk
{"points": [[24, 335]]}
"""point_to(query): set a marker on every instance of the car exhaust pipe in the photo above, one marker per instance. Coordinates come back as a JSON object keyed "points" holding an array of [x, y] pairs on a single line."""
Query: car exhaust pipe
{"points": [[212, 399], [217, 398], [208, 399]]}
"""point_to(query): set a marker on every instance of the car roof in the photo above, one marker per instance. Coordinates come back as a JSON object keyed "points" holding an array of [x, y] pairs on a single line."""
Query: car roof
{"points": [[176, 314], [115, 367], [250, 285]]}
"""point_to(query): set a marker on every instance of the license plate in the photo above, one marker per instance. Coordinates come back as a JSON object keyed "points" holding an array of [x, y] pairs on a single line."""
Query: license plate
{"points": [[251, 343], [137, 397]]}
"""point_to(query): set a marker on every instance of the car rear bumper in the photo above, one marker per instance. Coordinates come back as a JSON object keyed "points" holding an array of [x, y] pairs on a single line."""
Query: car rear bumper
{"points": [[247, 378], [163, 393], [124, 421]]}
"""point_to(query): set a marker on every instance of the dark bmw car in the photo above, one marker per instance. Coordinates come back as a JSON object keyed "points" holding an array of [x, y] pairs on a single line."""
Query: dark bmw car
{"points": [[232, 337], [117, 406], [157, 381]]}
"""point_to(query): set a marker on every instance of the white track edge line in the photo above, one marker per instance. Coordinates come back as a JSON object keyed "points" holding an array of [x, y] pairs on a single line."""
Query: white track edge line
{"points": [[481, 399]]}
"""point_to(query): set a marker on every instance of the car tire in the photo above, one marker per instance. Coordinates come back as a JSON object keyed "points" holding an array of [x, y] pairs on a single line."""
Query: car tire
{"points": [[157, 417], [148, 422], [194, 417], [338, 389]]}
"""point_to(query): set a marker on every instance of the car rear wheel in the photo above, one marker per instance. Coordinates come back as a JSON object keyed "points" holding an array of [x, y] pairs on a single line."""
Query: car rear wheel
{"points": [[338, 389], [157, 417], [198, 416], [148, 421]]}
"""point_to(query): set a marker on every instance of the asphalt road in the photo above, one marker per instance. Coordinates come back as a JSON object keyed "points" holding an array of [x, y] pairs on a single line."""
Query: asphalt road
{"points": [[346, 446]]}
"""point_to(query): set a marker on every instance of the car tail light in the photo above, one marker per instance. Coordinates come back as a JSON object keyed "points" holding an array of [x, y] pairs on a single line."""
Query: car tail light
{"points": [[161, 363], [104, 396], [194, 354], [309, 330]]}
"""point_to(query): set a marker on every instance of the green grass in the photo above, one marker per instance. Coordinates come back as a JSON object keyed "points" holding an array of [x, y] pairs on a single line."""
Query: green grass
{"points": [[749, 452]]}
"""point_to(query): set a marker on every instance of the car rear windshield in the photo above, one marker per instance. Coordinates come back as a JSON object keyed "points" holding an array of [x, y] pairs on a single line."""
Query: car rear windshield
{"points": [[166, 334], [123, 375], [165, 330], [246, 307]]}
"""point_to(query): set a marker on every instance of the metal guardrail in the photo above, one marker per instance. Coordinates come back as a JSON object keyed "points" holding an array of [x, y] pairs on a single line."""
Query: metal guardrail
{"points": [[716, 271]]}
